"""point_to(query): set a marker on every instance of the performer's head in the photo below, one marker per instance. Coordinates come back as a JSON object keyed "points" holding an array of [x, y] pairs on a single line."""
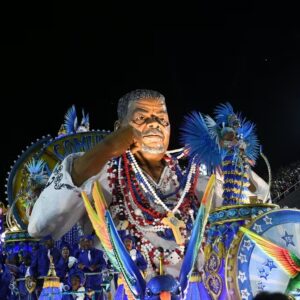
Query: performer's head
{"points": [[81, 242], [89, 241], [128, 242], [65, 250], [48, 241], [75, 282], [146, 111]]}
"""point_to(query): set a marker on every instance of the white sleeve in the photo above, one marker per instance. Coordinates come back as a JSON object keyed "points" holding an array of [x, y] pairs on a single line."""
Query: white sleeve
{"points": [[262, 188], [60, 206], [201, 186], [71, 261]]}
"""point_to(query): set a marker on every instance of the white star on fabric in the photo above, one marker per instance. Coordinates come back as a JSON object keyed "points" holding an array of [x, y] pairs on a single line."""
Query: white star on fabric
{"points": [[247, 244], [242, 258], [257, 228], [245, 294], [267, 220], [242, 276]]}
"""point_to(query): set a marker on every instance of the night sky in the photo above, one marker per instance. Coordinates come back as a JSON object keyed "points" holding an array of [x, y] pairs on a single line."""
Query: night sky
{"points": [[197, 55]]}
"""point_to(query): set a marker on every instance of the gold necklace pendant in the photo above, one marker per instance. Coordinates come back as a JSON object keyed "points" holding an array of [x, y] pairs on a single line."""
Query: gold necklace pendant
{"points": [[175, 225]]}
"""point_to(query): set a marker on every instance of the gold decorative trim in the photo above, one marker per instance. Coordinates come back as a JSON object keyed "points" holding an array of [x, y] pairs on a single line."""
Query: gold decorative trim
{"points": [[213, 252], [231, 220], [195, 278], [21, 240], [244, 205], [231, 280], [17, 231], [51, 282], [212, 294]]}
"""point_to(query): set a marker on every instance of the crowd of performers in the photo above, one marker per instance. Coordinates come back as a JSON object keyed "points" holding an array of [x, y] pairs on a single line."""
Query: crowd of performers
{"points": [[81, 268]]}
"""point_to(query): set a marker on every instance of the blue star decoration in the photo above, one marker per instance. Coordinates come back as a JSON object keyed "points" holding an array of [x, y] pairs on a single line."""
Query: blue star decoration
{"points": [[288, 238], [270, 263], [260, 286], [263, 273]]}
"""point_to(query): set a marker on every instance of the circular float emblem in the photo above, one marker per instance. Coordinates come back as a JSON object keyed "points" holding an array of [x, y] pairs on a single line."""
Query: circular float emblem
{"points": [[251, 270], [31, 171]]}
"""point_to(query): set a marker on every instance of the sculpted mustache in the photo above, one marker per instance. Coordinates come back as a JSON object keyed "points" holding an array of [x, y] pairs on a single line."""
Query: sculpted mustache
{"points": [[153, 132]]}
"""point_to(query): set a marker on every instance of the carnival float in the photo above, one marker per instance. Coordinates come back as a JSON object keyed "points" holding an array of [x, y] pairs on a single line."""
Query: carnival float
{"points": [[249, 244]]}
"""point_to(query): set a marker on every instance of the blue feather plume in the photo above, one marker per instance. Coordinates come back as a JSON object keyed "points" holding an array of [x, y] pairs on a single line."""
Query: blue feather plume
{"points": [[199, 142], [85, 119], [248, 134], [192, 249], [38, 174], [131, 273], [246, 128], [71, 120], [213, 129], [222, 112], [35, 166], [252, 150]]}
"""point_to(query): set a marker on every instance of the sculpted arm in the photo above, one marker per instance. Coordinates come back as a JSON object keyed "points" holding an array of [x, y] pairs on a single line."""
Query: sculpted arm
{"points": [[59, 206]]}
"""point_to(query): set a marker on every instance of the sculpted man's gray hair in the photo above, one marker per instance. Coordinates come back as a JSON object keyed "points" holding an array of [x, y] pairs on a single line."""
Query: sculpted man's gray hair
{"points": [[134, 96]]}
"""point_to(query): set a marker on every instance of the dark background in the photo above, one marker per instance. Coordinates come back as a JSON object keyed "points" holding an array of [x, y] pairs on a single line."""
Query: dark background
{"points": [[198, 55]]}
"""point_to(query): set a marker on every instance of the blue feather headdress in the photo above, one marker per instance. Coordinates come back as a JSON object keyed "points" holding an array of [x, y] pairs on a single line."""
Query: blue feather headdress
{"points": [[203, 137], [71, 120], [72, 125], [222, 113], [85, 119], [37, 171], [35, 166]]}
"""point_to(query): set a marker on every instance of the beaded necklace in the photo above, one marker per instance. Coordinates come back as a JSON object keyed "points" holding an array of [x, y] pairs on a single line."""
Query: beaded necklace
{"points": [[131, 191], [149, 190]]}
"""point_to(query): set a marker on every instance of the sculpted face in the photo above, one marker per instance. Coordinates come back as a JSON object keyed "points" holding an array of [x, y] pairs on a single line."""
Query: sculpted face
{"points": [[150, 117]]}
